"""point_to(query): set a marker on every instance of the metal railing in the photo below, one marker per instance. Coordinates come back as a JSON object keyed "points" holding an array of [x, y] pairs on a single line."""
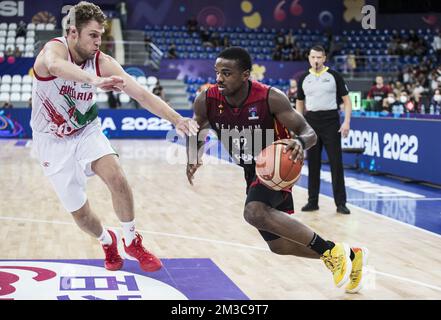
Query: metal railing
{"points": [[136, 52]]}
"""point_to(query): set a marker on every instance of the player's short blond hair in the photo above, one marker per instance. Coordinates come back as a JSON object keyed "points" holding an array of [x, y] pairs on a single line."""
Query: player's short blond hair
{"points": [[82, 13]]}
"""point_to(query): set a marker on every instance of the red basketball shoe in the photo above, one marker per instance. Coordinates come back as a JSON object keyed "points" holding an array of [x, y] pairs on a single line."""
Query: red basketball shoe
{"points": [[147, 261], [113, 260]]}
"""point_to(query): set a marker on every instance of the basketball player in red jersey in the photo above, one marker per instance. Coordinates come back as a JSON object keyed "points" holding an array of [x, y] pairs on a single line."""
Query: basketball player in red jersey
{"points": [[239, 110], [67, 136]]}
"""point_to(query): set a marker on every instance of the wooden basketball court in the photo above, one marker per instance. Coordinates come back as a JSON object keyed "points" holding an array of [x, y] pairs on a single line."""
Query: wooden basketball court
{"points": [[205, 221]]}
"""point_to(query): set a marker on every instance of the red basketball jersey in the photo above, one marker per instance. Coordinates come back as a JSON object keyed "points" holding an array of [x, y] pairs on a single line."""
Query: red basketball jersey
{"points": [[244, 130]]}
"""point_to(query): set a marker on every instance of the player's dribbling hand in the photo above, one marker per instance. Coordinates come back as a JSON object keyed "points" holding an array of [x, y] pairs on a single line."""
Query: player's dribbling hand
{"points": [[191, 169], [295, 147], [187, 126]]}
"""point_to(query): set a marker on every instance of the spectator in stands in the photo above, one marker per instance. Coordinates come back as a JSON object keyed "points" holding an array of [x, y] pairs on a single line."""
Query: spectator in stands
{"points": [[277, 54], [289, 40], [419, 48], [7, 105], [159, 91], [406, 76], [226, 42], [397, 106], [412, 37], [112, 100], [215, 39], [390, 102], [434, 78], [9, 53], [21, 29], [403, 47], [398, 88], [334, 47], [286, 54], [30, 102], [418, 91], [392, 47], [122, 8], [110, 45], [436, 44], [279, 39], [435, 102], [17, 52], [351, 64], [171, 53], [192, 25], [408, 102], [377, 93], [206, 37], [292, 92], [392, 86], [409, 87]]}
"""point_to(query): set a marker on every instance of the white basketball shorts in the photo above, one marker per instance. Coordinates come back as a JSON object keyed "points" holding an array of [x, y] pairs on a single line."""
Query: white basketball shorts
{"points": [[67, 162]]}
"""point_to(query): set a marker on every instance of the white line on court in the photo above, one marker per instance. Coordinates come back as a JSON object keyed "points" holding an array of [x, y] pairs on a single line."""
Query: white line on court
{"points": [[351, 205], [403, 279], [395, 199], [144, 231], [219, 242]]}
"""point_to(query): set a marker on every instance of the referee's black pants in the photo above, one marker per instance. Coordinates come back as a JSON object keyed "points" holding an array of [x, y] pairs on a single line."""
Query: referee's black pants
{"points": [[326, 125]]}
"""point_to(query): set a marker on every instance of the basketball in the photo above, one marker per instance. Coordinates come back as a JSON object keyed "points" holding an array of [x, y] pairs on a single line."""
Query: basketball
{"points": [[274, 168]]}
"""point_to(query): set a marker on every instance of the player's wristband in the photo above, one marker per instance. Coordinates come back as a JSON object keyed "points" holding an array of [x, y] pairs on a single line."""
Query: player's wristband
{"points": [[301, 141]]}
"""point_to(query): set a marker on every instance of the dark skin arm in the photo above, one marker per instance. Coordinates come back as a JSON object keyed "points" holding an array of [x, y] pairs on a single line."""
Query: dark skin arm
{"points": [[281, 108], [194, 157]]}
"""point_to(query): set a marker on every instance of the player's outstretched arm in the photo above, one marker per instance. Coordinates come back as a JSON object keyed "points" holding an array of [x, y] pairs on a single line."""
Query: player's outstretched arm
{"points": [[53, 62], [110, 67], [195, 145], [292, 120]]}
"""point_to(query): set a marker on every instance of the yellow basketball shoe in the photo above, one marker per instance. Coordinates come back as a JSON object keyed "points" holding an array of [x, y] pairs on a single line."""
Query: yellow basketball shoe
{"points": [[339, 262], [356, 278]]}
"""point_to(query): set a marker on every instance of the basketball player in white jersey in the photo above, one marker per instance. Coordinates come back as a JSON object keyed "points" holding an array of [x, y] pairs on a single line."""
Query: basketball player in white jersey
{"points": [[68, 140]]}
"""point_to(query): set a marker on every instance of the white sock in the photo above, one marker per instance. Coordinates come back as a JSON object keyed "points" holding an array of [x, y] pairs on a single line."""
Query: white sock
{"points": [[129, 231], [105, 237]]}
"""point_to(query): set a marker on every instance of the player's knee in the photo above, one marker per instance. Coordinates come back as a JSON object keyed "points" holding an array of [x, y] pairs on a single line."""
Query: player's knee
{"points": [[255, 214]]}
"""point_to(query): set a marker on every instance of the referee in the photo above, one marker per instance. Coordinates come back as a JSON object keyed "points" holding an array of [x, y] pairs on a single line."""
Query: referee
{"points": [[321, 90]]}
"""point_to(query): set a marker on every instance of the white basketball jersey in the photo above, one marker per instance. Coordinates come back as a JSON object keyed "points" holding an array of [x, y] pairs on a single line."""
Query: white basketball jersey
{"points": [[62, 107]]}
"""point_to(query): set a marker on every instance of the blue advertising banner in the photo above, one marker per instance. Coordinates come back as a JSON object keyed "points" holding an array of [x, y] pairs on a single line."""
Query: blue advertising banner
{"points": [[402, 147], [21, 66], [117, 124]]}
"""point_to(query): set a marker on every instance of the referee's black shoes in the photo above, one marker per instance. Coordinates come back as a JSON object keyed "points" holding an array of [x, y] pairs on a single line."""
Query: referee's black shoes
{"points": [[343, 209], [310, 207]]}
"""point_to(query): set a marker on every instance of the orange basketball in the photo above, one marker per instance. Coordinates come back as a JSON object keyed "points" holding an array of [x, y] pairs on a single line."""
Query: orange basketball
{"points": [[274, 168]]}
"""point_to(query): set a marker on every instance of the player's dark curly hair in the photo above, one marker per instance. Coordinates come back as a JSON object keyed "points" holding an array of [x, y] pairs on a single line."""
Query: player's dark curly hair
{"points": [[238, 54]]}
